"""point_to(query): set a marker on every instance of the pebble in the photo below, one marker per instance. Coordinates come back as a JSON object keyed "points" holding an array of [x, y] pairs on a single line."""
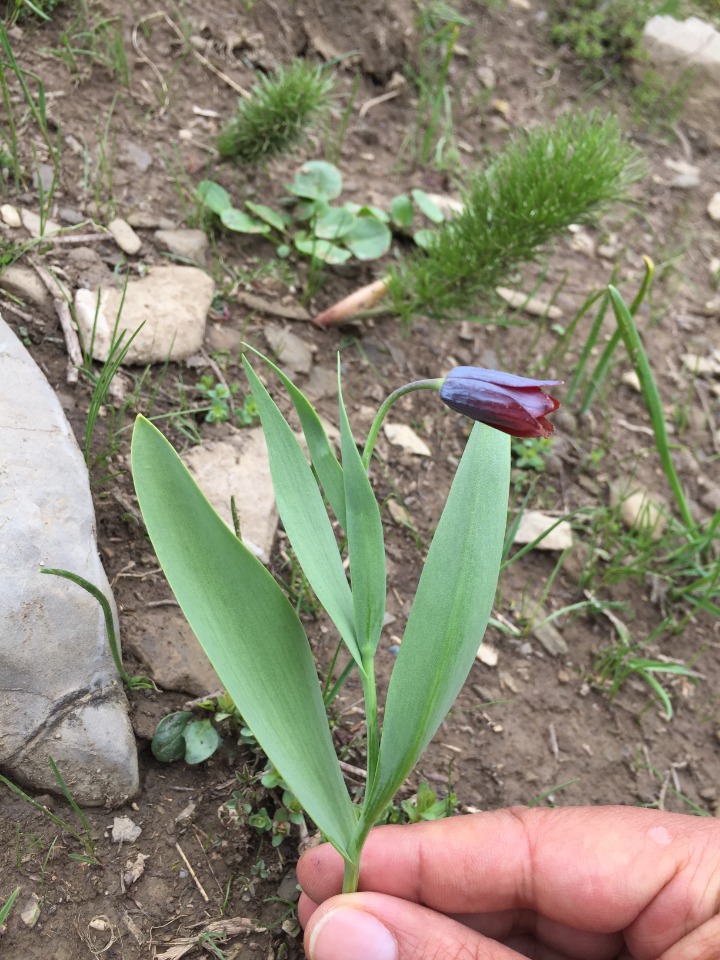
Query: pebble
{"points": [[631, 379], [487, 655], [68, 215], [43, 175], [535, 306], [137, 155], [10, 215], [24, 283], [124, 236], [188, 244], [713, 208], [401, 435], [550, 637], [534, 524], [292, 352], [563, 676], [486, 76], [34, 226]]}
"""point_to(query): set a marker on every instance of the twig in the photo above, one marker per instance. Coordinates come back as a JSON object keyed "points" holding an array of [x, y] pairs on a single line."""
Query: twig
{"points": [[286, 311], [72, 344], [553, 741], [354, 771], [187, 863], [376, 101], [23, 314], [162, 603]]}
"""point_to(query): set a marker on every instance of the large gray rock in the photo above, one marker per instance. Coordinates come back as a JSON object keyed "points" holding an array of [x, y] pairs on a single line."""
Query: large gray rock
{"points": [[60, 694], [171, 302], [688, 50]]}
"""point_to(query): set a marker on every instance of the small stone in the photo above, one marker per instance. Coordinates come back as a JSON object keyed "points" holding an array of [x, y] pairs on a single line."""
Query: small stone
{"points": [[288, 888], [144, 220], [68, 215], [401, 435], [534, 524], [292, 352], [24, 283], [563, 676], [525, 649], [124, 236], [188, 244], [124, 830], [487, 654], [534, 306], [35, 226], [713, 208], [641, 511], [709, 793], [486, 76], [321, 383], [137, 155], [702, 366], [550, 637], [10, 215], [171, 653], [399, 514], [631, 379], [30, 914], [43, 175]]}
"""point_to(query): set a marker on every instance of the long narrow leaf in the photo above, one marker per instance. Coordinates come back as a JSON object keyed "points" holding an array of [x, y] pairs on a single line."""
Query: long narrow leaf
{"points": [[366, 546], [450, 612], [304, 515], [247, 627], [324, 461]]}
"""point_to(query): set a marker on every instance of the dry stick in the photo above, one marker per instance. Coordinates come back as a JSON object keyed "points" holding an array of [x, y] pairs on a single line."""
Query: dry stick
{"points": [[205, 897], [376, 101], [287, 311], [60, 302]]}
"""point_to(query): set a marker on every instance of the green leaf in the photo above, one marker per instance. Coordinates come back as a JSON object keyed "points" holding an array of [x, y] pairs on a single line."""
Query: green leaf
{"points": [[427, 206], [402, 211], [215, 197], [168, 742], [269, 215], [241, 223], [324, 461], [201, 741], [317, 179], [367, 210], [368, 239], [304, 516], [335, 223], [248, 629], [324, 250], [450, 612], [424, 238], [366, 547]]}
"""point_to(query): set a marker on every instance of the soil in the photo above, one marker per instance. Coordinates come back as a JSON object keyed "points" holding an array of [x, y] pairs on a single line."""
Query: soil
{"points": [[534, 727]]}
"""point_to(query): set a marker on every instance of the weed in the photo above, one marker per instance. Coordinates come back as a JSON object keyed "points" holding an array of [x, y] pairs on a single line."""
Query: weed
{"points": [[84, 837], [6, 907], [97, 41], [222, 408], [277, 114], [19, 9], [542, 182], [600, 34], [424, 806]]}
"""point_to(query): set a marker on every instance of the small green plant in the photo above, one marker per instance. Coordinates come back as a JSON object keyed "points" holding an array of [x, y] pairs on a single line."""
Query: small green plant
{"points": [[278, 113], [19, 9], [222, 408], [425, 805], [179, 736], [541, 183], [91, 40], [604, 32], [6, 907]]}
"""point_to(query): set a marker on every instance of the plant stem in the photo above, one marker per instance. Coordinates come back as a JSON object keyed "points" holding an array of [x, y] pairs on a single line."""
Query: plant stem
{"points": [[351, 876], [640, 362], [434, 384]]}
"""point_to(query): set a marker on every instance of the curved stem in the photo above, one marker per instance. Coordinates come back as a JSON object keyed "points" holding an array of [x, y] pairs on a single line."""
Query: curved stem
{"points": [[433, 384]]}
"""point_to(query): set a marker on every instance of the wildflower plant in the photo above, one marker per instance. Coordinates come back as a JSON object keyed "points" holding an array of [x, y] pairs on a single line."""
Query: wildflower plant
{"points": [[254, 637]]}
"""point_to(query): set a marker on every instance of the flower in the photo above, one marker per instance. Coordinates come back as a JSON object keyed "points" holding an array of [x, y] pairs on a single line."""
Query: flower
{"points": [[514, 405]]}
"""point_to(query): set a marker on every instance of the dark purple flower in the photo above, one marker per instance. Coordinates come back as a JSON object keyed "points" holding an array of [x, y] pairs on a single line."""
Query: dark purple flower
{"points": [[514, 405]]}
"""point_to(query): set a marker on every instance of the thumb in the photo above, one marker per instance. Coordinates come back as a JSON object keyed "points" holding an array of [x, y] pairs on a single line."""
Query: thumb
{"points": [[374, 926]]}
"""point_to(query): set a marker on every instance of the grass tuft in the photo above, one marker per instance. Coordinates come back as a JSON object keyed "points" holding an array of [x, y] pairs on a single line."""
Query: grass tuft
{"points": [[541, 183], [277, 114]]}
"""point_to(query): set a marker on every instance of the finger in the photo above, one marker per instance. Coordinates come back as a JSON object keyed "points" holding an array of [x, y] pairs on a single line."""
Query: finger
{"points": [[596, 869], [371, 926]]}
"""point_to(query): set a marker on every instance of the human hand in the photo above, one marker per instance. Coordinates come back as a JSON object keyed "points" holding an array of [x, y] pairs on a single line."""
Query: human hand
{"points": [[577, 883]]}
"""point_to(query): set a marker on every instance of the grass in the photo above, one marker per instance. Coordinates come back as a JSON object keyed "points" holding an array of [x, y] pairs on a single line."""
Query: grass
{"points": [[278, 113], [540, 184], [88, 41]]}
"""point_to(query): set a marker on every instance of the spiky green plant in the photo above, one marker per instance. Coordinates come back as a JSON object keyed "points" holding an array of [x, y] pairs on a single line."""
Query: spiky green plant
{"points": [[541, 183], [278, 112]]}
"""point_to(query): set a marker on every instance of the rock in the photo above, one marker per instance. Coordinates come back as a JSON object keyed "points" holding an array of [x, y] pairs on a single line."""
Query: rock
{"points": [[10, 215], [288, 889], [164, 642], [189, 244], [486, 76], [238, 466], [534, 523], [640, 510], [125, 830], [631, 379], [172, 302], [550, 637], [44, 175], [30, 913], [292, 353], [403, 436], [60, 694], [532, 305], [687, 51], [124, 236], [487, 655], [713, 207], [35, 227], [321, 383], [702, 366], [24, 283], [87, 268], [687, 175], [137, 155]]}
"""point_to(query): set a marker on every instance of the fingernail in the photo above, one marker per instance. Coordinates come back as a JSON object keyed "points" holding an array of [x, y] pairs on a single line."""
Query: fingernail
{"points": [[348, 934]]}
